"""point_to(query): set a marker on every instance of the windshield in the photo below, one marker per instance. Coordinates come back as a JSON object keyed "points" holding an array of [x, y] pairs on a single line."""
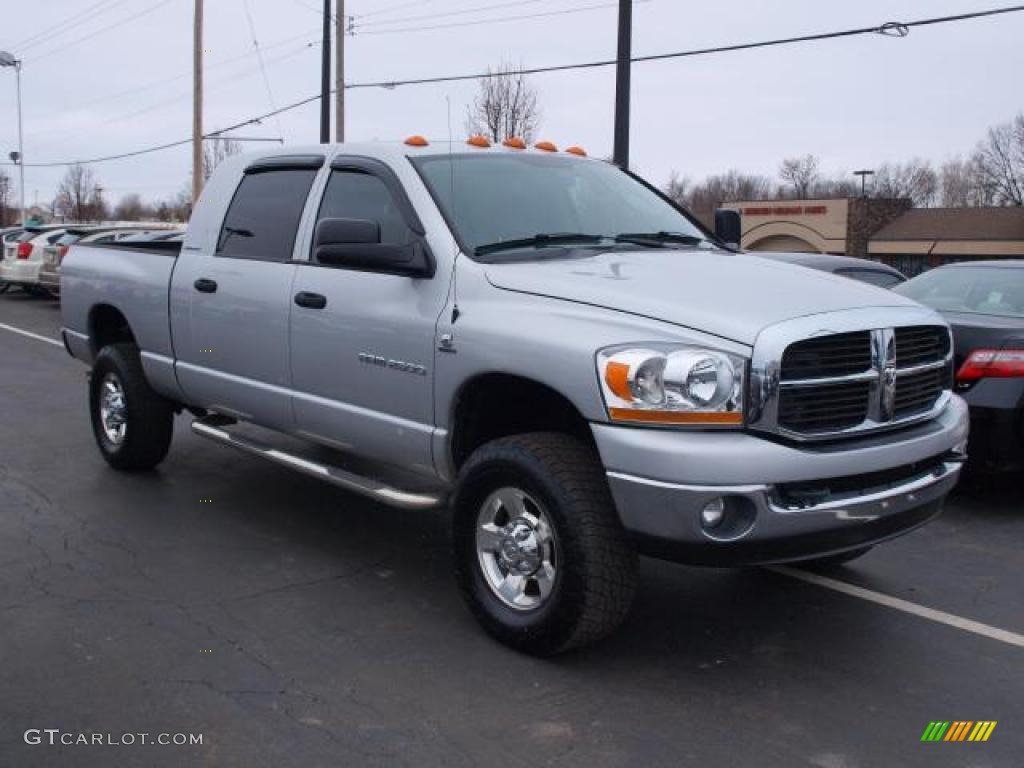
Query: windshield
{"points": [[500, 197], [976, 290]]}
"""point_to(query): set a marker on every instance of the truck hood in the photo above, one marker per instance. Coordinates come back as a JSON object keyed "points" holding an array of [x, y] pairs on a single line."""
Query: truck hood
{"points": [[727, 294]]}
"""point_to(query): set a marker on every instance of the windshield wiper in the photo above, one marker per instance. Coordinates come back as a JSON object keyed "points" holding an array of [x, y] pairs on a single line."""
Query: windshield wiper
{"points": [[658, 238], [538, 241]]}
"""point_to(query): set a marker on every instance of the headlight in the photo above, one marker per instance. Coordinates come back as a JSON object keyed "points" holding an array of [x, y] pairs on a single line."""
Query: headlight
{"points": [[672, 384]]}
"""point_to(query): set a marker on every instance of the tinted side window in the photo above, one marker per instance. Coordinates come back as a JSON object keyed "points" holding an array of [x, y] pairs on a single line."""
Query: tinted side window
{"points": [[264, 215], [358, 195]]}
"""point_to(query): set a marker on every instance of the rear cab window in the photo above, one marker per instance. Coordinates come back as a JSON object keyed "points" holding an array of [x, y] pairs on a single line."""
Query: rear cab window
{"points": [[263, 218]]}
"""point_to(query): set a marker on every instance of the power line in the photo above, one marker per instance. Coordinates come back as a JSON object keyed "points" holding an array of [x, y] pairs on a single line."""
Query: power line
{"points": [[889, 29], [497, 20], [393, 8], [52, 31], [206, 67], [445, 14], [262, 63], [127, 20]]}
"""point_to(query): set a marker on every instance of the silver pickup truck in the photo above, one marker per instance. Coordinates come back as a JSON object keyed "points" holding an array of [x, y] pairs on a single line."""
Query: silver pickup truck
{"points": [[538, 341]]}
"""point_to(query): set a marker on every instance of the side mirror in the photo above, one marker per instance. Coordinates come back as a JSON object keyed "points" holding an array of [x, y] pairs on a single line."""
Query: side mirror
{"points": [[728, 226], [355, 244]]}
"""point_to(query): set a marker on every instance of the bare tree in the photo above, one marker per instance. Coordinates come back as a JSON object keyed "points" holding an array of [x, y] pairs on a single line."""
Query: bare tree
{"points": [[131, 208], [727, 187], [679, 188], [79, 195], [962, 185], [216, 151], [505, 106], [915, 179], [1000, 162], [800, 173], [834, 188]]}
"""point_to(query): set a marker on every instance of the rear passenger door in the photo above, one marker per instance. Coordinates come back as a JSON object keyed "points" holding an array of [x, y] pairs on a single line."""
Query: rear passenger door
{"points": [[362, 362], [235, 360]]}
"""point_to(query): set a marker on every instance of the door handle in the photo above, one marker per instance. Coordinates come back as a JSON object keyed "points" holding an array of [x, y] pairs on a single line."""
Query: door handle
{"points": [[205, 285], [310, 300]]}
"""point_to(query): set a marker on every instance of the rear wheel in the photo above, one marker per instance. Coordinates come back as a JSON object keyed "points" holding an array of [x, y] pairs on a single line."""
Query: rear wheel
{"points": [[541, 557], [132, 424]]}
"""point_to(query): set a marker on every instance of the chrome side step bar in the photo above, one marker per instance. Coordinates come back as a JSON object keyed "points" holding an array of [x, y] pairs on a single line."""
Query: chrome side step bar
{"points": [[364, 486]]}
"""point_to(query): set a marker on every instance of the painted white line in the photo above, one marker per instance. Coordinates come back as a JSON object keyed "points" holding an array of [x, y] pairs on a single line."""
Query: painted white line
{"points": [[952, 620], [31, 335]]}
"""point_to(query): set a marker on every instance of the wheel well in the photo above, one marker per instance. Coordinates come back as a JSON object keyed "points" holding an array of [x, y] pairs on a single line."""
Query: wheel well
{"points": [[108, 326], [497, 405]]}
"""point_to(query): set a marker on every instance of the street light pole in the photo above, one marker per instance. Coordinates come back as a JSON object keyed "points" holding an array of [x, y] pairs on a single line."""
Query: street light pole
{"points": [[863, 181], [8, 60]]}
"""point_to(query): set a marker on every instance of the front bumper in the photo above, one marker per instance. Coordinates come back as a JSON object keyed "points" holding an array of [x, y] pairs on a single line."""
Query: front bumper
{"points": [[20, 271], [784, 502]]}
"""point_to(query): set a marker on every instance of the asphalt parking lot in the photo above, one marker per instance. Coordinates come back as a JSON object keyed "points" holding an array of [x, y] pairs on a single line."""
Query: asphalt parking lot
{"points": [[292, 624]]}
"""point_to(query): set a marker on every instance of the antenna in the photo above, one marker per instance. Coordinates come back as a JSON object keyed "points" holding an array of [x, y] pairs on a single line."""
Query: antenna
{"points": [[451, 197]]}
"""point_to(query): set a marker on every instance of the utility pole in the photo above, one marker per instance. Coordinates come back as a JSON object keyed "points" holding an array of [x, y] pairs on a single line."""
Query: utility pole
{"points": [[197, 104], [325, 78], [340, 23], [622, 86]]}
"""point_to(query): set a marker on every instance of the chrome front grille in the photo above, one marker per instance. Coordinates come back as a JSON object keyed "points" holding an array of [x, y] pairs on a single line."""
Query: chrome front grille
{"points": [[834, 382]]}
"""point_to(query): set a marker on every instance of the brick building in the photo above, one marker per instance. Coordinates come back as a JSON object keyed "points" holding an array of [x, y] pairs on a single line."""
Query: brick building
{"points": [[910, 239]]}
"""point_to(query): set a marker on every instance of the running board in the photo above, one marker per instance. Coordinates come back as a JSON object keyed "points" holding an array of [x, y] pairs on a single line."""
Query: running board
{"points": [[364, 486]]}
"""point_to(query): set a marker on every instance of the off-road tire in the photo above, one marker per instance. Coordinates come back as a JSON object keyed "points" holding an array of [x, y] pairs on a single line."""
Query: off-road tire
{"points": [[596, 569], [150, 417]]}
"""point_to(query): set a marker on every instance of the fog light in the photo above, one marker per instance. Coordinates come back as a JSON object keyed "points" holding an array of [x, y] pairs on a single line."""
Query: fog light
{"points": [[713, 513]]}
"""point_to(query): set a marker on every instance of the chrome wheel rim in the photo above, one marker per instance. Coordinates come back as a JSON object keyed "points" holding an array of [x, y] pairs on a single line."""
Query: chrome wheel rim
{"points": [[113, 409], [517, 549]]}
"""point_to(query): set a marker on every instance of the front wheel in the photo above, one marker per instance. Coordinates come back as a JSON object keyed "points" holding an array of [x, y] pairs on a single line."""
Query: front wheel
{"points": [[540, 554], [132, 423]]}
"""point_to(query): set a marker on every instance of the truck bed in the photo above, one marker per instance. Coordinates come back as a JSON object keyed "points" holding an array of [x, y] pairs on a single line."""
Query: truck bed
{"points": [[131, 280]]}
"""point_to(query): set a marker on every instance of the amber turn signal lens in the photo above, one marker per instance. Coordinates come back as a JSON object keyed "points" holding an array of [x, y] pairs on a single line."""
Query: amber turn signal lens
{"points": [[478, 141], [730, 418], [416, 141], [514, 142], [546, 146], [616, 375], [574, 150]]}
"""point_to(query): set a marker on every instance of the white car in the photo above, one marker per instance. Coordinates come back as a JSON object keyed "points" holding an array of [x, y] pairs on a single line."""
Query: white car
{"points": [[49, 272], [23, 258]]}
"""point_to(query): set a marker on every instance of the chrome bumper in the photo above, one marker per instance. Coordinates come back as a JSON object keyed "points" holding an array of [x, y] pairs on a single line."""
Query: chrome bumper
{"points": [[791, 503]]}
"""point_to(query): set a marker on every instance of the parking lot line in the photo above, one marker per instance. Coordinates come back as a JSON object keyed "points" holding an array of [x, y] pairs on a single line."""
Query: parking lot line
{"points": [[31, 335], [952, 620]]}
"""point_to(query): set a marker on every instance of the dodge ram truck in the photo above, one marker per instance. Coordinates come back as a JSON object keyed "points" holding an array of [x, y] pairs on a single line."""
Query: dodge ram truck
{"points": [[541, 343]]}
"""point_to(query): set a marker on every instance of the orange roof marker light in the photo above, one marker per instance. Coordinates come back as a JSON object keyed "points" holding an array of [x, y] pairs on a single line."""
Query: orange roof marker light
{"points": [[514, 142], [546, 146], [478, 141], [416, 141], [574, 150]]}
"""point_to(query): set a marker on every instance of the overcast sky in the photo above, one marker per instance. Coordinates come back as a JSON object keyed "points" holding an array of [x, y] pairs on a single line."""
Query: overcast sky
{"points": [[854, 102]]}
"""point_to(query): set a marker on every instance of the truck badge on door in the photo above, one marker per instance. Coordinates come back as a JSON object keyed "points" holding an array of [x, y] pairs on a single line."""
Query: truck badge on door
{"points": [[395, 365]]}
